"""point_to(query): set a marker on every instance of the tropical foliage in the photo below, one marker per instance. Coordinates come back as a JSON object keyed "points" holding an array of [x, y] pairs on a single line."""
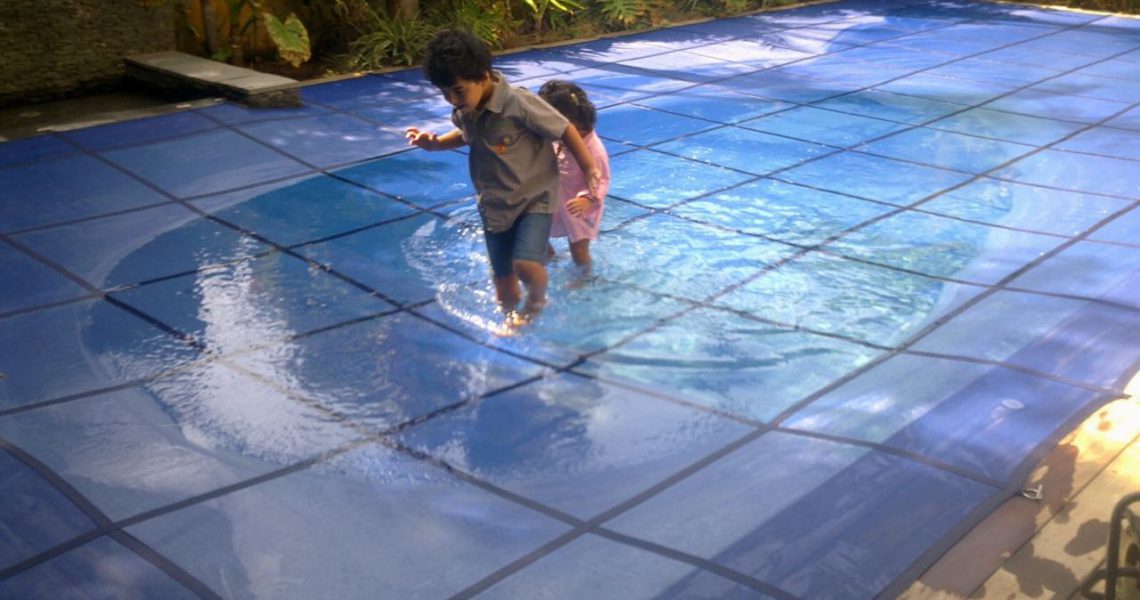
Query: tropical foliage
{"points": [[395, 38], [355, 35]]}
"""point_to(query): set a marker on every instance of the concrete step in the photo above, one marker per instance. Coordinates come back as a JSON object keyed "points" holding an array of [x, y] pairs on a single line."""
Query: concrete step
{"points": [[180, 71]]}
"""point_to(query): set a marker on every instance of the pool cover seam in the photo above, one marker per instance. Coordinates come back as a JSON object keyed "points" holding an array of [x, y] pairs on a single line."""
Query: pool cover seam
{"points": [[1071, 495], [234, 127], [704, 564], [259, 237], [48, 305], [559, 545], [380, 437], [109, 528], [1018, 478], [910, 126], [921, 201], [306, 259], [1023, 40], [122, 524], [759, 178], [164, 564], [927, 330], [807, 249], [97, 294], [1020, 472], [856, 147], [920, 125], [588, 64], [869, 344], [102, 523], [105, 526], [950, 315], [901, 453], [593, 523]]}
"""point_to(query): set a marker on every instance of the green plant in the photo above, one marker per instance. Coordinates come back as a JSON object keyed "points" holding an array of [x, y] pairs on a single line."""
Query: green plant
{"points": [[490, 21], [239, 24], [540, 9], [623, 12], [724, 7], [290, 37], [389, 40]]}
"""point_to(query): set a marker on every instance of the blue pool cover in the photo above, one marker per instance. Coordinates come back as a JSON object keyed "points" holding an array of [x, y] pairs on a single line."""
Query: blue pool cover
{"points": [[863, 264]]}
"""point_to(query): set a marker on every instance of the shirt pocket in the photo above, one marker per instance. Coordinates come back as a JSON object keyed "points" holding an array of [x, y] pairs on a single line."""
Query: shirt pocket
{"points": [[503, 134]]}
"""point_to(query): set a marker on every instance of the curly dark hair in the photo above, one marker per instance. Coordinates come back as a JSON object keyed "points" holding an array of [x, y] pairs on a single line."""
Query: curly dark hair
{"points": [[572, 102], [454, 54]]}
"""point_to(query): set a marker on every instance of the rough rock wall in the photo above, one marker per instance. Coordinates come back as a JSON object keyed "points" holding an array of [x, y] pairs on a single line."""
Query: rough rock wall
{"points": [[56, 48]]}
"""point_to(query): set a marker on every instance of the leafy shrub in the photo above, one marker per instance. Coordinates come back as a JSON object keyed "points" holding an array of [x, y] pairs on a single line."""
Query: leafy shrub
{"points": [[390, 40], [488, 19], [290, 37], [623, 12], [541, 10]]}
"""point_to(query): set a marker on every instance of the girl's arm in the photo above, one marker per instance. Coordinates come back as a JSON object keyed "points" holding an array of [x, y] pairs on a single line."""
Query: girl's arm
{"points": [[573, 141], [432, 142]]}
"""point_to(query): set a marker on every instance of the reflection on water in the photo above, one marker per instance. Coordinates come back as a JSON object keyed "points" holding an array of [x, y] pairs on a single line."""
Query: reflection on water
{"points": [[452, 257], [293, 390]]}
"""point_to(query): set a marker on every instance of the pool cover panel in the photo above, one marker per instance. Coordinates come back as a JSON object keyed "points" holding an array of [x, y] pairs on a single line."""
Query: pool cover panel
{"points": [[861, 265]]}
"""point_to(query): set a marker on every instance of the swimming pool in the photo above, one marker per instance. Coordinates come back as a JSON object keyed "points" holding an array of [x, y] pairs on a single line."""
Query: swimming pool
{"points": [[862, 264]]}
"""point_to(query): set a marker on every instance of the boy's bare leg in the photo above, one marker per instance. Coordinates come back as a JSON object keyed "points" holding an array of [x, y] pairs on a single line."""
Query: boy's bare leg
{"points": [[534, 277], [507, 291]]}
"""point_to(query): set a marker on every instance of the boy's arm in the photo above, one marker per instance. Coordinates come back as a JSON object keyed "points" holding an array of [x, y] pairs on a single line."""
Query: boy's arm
{"points": [[577, 146], [432, 142]]}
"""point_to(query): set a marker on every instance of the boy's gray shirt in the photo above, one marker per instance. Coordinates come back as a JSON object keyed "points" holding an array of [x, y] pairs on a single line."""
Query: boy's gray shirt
{"points": [[512, 161]]}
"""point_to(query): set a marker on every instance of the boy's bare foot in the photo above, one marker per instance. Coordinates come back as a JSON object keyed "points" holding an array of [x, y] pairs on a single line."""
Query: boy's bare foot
{"points": [[511, 322], [526, 315]]}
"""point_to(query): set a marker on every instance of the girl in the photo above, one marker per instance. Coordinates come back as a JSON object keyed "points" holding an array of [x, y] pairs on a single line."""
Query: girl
{"points": [[579, 213]]}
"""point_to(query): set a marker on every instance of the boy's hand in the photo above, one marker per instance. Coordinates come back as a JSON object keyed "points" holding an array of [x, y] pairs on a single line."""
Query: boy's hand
{"points": [[579, 205], [422, 139]]}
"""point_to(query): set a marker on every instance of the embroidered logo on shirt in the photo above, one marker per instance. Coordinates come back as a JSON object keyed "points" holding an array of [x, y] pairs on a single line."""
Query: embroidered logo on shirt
{"points": [[501, 134]]}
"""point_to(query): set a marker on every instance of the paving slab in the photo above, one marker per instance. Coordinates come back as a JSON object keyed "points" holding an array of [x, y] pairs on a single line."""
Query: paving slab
{"points": [[178, 69]]}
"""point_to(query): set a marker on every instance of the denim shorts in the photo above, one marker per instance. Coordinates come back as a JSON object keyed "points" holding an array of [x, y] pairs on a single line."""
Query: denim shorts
{"points": [[525, 240]]}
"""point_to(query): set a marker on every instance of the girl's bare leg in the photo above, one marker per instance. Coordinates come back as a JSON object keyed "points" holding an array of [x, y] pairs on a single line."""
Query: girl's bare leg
{"points": [[580, 252], [550, 251]]}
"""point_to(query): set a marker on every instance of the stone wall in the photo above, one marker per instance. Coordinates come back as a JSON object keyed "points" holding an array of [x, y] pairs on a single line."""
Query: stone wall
{"points": [[58, 48]]}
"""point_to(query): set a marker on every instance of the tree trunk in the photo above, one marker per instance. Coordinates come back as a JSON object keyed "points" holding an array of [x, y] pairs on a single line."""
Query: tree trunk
{"points": [[237, 31], [209, 26], [409, 8]]}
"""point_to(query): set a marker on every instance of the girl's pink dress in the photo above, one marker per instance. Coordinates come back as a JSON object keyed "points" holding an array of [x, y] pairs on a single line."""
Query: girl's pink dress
{"points": [[572, 183]]}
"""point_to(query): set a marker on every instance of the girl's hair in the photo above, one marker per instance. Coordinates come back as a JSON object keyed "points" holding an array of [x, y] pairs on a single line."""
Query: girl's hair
{"points": [[572, 102]]}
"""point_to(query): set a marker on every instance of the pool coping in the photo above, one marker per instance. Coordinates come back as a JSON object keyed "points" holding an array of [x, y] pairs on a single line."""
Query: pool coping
{"points": [[1051, 545]]}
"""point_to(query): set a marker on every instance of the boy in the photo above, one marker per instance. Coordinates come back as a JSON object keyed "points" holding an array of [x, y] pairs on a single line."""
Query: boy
{"points": [[512, 162]]}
